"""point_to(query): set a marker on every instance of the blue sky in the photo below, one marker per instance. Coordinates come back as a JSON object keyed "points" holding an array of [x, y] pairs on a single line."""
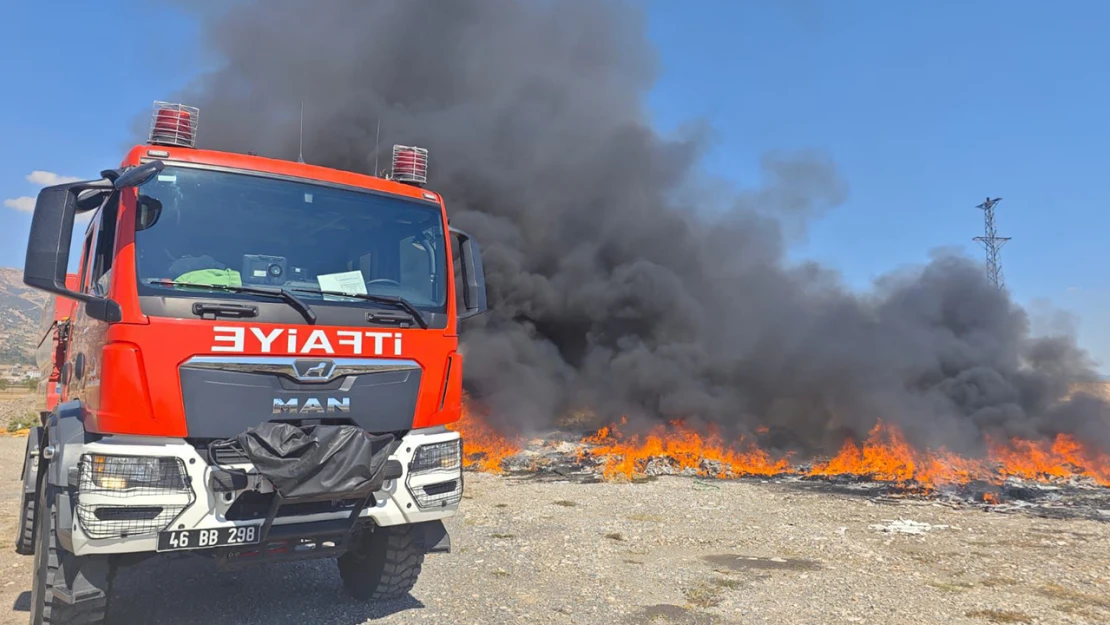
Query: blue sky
{"points": [[926, 108]]}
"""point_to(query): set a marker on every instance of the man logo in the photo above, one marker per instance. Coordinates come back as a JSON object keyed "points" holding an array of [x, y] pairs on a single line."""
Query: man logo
{"points": [[312, 405], [313, 370]]}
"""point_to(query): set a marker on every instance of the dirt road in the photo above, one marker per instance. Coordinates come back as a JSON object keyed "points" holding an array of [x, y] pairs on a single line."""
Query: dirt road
{"points": [[672, 550]]}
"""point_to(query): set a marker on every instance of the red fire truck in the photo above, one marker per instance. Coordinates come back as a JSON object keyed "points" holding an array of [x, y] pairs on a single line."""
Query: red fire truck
{"points": [[259, 367]]}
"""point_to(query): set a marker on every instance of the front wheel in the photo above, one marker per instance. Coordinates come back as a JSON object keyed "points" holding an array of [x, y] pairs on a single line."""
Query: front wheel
{"points": [[25, 526], [384, 566], [67, 589]]}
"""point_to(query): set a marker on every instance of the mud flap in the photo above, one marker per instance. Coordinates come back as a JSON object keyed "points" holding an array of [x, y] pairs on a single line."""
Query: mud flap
{"points": [[433, 537], [30, 459], [25, 526]]}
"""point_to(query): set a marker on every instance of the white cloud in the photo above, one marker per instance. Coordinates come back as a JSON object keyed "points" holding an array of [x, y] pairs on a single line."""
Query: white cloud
{"points": [[40, 178], [49, 178], [25, 204]]}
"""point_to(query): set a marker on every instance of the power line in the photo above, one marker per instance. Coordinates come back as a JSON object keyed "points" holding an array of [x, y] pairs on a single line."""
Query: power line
{"points": [[992, 243]]}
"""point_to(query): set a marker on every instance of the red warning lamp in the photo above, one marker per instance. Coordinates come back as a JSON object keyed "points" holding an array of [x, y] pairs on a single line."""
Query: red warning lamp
{"points": [[174, 124], [410, 165]]}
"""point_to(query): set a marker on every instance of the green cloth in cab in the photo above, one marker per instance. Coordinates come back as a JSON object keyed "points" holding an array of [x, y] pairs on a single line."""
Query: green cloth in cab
{"points": [[214, 277]]}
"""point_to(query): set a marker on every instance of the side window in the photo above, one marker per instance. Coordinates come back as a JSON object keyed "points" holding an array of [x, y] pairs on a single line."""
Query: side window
{"points": [[82, 281], [105, 247]]}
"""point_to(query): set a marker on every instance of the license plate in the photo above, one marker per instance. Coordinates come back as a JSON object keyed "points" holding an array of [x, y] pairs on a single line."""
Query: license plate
{"points": [[177, 540]]}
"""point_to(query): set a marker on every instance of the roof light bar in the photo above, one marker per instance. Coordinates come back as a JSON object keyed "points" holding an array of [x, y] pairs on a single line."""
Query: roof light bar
{"points": [[410, 165], [173, 124]]}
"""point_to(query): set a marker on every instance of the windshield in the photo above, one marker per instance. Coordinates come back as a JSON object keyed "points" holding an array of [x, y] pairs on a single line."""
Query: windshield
{"points": [[204, 227]]}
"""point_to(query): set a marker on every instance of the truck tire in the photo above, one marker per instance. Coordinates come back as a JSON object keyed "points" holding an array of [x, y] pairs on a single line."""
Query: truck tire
{"points": [[58, 572], [385, 566], [25, 526]]}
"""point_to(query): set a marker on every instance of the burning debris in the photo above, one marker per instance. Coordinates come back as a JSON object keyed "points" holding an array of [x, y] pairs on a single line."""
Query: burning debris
{"points": [[883, 457], [1061, 478]]}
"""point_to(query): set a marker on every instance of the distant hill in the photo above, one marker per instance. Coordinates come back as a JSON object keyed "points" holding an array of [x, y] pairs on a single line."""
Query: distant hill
{"points": [[20, 308]]}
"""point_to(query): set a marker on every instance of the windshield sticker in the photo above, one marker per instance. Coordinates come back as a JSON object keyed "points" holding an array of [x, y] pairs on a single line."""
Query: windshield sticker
{"points": [[346, 282], [167, 178]]}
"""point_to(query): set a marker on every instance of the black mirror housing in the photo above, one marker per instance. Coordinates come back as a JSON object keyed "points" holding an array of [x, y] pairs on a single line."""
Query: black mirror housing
{"points": [[138, 175], [48, 246], [52, 232], [473, 275]]}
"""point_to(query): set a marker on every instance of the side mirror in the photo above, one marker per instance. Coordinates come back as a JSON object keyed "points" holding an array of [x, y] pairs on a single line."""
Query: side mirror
{"points": [[138, 175], [52, 232], [48, 244], [473, 285]]}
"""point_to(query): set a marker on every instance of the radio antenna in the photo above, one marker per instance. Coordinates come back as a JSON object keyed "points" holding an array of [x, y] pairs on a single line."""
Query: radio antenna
{"points": [[300, 147], [377, 140]]}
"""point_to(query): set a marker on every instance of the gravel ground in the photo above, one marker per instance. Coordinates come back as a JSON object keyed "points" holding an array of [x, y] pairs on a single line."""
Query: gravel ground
{"points": [[16, 405], [671, 550]]}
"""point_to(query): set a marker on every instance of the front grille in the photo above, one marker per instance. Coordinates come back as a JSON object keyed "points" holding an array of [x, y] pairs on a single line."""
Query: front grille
{"points": [[224, 396], [227, 453], [253, 505]]}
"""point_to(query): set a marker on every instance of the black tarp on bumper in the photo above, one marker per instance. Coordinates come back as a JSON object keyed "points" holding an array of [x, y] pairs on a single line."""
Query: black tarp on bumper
{"points": [[318, 461]]}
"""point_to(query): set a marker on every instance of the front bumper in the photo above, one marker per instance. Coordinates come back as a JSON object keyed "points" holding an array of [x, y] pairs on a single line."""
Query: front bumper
{"points": [[97, 529]]}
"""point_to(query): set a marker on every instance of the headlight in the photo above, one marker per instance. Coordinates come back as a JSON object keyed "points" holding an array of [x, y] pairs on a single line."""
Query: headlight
{"points": [[122, 496], [445, 456], [435, 474], [101, 472]]}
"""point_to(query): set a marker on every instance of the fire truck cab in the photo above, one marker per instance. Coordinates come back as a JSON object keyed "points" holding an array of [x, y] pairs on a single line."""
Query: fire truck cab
{"points": [[259, 367]]}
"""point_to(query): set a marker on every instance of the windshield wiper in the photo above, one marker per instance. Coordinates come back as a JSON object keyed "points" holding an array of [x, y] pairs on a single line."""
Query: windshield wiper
{"points": [[271, 291], [397, 301]]}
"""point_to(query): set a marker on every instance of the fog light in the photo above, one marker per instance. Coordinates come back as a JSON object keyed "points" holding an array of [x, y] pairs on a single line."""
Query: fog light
{"points": [[440, 495]]}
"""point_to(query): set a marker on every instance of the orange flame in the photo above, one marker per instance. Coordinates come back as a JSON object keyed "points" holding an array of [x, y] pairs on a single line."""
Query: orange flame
{"points": [[1065, 458], [685, 448], [885, 455], [483, 447]]}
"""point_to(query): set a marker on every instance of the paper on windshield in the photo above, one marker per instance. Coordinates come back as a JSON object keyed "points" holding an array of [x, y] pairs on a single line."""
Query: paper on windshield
{"points": [[346, 282]]}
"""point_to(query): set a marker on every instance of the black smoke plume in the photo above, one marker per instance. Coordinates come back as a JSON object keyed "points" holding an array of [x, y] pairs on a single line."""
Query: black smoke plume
{"points": [[614, 289]]}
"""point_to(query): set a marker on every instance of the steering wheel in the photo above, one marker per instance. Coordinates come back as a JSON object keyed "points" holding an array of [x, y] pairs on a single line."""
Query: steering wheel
{"points": [[386, 280]]}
